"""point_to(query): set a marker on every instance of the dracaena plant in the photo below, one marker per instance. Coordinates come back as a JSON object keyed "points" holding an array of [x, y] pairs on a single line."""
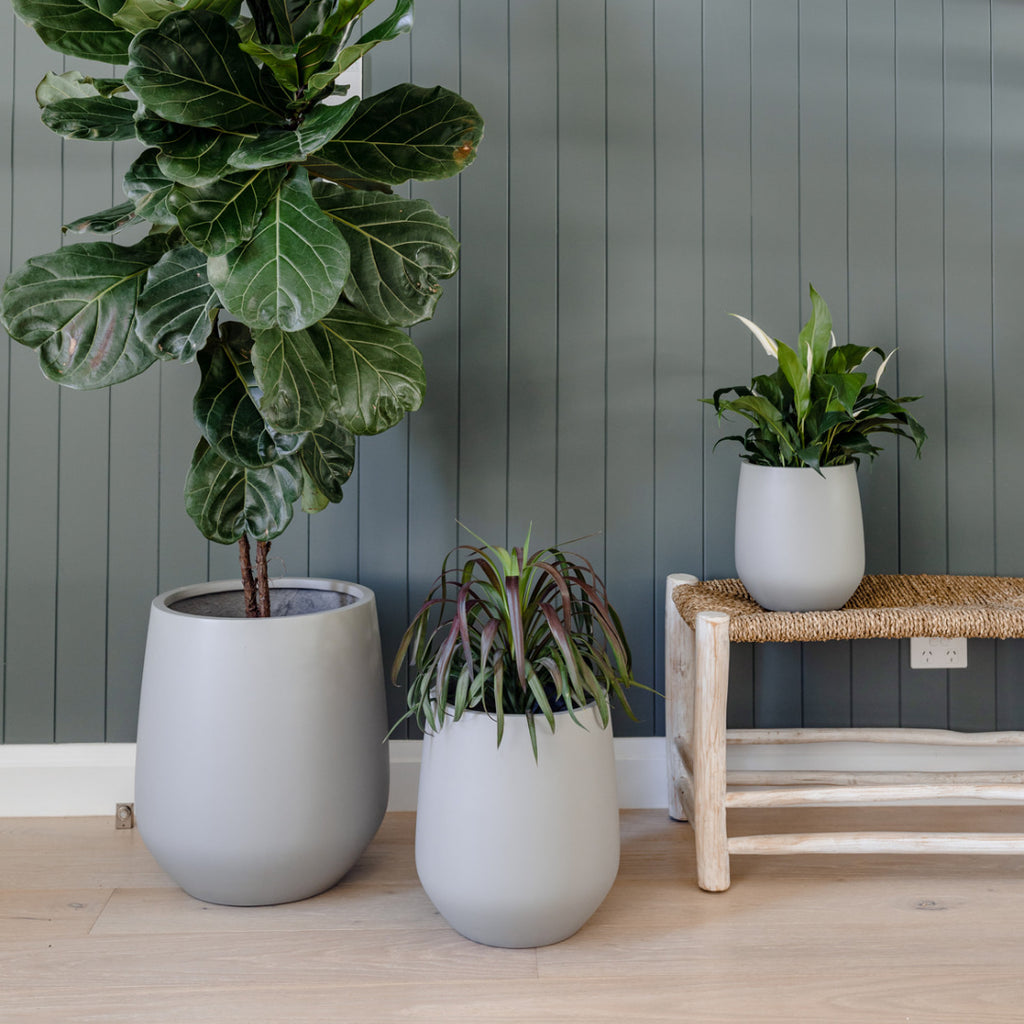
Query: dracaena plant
{"points": [[273, 248], [818, 408], [514, 632]]}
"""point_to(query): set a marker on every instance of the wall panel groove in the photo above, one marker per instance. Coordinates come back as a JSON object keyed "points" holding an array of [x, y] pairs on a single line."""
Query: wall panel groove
{"points": [[649, 167]]}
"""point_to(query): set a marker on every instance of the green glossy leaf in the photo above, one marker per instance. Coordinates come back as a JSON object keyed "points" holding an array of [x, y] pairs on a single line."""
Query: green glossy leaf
{"points": [[277, 146], [399, 21], [377, 371], [798, 377], [408, 132], [225, 500], [105, 221], [73, 85], [219, 217], [294, 379], [328, 458], [843, 387], [320, 168], [138, 15], [395, 24], [191, 71], [198, 156], [77, 307], [155, 131], [294, 19], [400, 248], [79, 28], [99, 118], [177, 305], [292, 270], [149, 190], [344, 14], [816, 334], [225, 410]]}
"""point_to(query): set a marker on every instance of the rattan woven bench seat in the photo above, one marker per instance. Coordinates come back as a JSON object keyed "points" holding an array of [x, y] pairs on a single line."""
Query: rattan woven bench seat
{"points": [[884, 606]]}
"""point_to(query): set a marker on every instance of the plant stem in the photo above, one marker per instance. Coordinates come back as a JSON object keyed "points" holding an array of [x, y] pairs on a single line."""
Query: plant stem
{"points": [[262, 578], [248, 582]]}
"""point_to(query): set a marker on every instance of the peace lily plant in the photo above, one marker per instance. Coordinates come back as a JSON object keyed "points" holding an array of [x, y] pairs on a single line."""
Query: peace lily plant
{"points": [[273, 248], [817, 409]]}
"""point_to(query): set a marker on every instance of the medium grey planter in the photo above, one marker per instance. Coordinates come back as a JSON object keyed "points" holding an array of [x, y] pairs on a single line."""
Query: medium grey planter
{"points": [[261, 768], [516, 851]]}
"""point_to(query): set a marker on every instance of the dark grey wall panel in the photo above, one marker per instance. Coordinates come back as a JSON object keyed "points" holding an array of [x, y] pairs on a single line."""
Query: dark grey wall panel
{"points": [[7, 38], [649, 167], [34, 423]]}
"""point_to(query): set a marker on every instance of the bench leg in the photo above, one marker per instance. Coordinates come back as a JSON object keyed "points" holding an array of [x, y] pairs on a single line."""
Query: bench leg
{"points": [[709, 750], [679, 675]]}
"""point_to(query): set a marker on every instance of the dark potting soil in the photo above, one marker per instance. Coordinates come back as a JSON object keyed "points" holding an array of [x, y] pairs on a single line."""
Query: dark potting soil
{"points": [[230, 604]]}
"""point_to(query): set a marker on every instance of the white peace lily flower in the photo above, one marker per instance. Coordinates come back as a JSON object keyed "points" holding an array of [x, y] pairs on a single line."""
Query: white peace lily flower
{"points": [[881, 368], [766, 342]]}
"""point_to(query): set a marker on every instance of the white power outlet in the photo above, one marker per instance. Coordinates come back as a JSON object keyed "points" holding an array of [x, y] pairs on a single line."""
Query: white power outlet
{"points": [[938, 652]]}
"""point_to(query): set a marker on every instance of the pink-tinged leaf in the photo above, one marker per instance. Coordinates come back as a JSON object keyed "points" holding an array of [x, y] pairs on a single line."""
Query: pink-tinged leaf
{"points": [[461, 618], [515, 621], [558, 579]]}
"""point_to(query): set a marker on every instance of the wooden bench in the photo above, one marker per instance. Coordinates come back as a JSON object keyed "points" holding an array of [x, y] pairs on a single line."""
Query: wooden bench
{"points": [[702, 618]]}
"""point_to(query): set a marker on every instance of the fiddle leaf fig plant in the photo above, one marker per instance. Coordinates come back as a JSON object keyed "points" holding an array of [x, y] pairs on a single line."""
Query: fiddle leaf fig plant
{"points": [[274, 250], [818, 408]]}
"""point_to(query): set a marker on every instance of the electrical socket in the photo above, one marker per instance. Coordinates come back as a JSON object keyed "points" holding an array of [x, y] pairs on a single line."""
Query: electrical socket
{"points": [[938, 652]]}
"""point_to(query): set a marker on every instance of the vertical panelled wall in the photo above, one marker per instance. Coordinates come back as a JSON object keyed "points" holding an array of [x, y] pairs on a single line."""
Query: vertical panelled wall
{"points": [[649, 167]]}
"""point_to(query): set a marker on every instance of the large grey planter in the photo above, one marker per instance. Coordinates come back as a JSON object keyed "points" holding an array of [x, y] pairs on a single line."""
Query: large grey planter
{"points": [[261, 770]]}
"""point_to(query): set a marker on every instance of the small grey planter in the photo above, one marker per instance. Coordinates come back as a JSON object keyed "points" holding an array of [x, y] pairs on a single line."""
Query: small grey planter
{"points": [[799, 536], [261, 768]]}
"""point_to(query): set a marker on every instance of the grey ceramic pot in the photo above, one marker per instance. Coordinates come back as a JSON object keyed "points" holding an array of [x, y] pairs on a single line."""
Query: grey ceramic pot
{"points": [[261, 772]]}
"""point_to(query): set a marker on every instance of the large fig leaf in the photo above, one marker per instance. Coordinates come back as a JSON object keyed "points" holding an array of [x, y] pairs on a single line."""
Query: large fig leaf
{"points": [[328, 458], [292, 270], [79, 28], [177, 305], [77, 307], [377, 371], [138, 15], [225, 410], [225, 500], [198, 156], [99, 118], [320, 168], [190, 70], [149, 190], [294, 380], [105, 221], [408, 132], [73, 85], [219, 217], [400, 247], [281, 145]]}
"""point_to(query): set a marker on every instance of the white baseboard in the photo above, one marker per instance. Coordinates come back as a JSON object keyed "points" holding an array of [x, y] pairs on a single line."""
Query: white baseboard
{"points": [[79, 779]]}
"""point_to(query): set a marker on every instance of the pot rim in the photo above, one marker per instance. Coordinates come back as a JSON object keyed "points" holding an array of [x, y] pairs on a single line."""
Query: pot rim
{"points": [[162, 602], [798, 469]]}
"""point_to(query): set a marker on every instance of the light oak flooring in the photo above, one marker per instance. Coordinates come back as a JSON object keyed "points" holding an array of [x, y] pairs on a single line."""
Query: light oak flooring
{"points": [[91, 930]]}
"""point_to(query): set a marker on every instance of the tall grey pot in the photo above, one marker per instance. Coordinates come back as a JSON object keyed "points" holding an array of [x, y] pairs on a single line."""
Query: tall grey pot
{"points": [[261, 768]]}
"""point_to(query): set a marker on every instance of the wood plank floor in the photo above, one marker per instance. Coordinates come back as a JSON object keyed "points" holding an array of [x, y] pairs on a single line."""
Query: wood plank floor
{"points": [[92, 931]]}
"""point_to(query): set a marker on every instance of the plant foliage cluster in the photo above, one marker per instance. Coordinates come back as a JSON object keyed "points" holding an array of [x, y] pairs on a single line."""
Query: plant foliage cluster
{"points": [[275, 252], [817, 409], [514, 632]]}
